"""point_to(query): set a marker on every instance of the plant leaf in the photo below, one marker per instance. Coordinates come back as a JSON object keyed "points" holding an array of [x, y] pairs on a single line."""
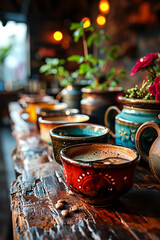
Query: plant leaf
{"points": [[90, 28], [77, 58], [121, 72], [90, 39], [52, 61], [97, 41], [102, 86], [62, 61], [77, 34], [55, 61], [112, 56], [84, 67], [75, 74], [92, 59], [114, 83], [89, 75], [112, 72], [75, 26], [96, 37]]}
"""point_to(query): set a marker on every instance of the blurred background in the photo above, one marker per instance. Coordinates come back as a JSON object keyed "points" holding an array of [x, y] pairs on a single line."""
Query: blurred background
{"points": [[27, 38]]}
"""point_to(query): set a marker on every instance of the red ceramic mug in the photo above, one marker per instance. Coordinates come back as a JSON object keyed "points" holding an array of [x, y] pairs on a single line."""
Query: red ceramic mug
{"points": [[99, 183]]}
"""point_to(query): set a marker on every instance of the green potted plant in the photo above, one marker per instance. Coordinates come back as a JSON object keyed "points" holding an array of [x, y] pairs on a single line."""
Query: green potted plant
{"points": [[140, 104], [71, 93], [99, 67]]}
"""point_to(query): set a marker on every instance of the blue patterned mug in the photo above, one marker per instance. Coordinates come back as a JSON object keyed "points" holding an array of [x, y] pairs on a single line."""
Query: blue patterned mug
{"points": [[124, 124]]}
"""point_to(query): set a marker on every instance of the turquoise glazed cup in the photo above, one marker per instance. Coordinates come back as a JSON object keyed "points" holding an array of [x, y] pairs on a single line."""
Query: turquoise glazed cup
{"points": [[71, 134], [124, 124]]}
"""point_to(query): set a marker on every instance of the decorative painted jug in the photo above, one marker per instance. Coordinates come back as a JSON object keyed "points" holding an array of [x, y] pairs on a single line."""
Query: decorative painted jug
{"points": [[124, 124], [153, 158]]}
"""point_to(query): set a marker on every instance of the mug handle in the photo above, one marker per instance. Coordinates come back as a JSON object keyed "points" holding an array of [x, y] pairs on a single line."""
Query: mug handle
{"points": [[138, 137], [109, 118]]}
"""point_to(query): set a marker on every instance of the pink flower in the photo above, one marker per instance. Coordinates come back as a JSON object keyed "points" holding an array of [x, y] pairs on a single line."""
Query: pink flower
{"points": [[154, 89], [144, 62]]}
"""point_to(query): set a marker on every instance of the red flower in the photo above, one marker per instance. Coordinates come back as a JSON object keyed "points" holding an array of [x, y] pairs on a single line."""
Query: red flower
{"points": [[144, 62], [154, 89]]}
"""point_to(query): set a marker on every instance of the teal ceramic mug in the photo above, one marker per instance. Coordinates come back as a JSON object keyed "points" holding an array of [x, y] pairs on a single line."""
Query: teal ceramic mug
{"points": [[71, 134], [125, 123]]}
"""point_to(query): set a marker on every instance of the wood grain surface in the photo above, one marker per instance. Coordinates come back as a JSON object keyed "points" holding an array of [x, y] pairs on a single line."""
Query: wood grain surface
{"points": [[38, 187]]}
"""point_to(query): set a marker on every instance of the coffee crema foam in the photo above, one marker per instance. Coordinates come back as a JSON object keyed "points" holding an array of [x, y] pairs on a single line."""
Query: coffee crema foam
{"points": [[112, 157]]}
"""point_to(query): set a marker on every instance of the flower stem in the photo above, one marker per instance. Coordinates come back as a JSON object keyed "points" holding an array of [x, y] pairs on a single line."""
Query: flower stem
{"points": [[85, 46], [151, 70], [95, 51]]}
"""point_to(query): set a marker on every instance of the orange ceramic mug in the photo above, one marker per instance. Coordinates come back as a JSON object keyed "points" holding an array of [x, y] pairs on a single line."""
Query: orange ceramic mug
{"points": [[30, 102], [29, 113], [47, 123]]}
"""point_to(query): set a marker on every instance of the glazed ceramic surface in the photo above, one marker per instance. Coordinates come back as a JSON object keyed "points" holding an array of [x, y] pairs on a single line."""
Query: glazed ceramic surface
{"points": [[47, 123], [71, 95], [98, 184], [95, 102], [153, 158], [42, 112], [71, 134], [132, 116]]}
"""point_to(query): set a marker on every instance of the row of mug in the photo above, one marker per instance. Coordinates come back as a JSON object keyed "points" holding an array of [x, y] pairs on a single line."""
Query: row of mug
{"points": [[79, 146], [125, 124]]}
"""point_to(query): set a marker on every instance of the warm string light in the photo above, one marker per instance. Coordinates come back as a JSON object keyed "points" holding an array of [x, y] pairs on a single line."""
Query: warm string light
{"points": [[87, 22], [101, 20], [58, 36], [104, 6]]}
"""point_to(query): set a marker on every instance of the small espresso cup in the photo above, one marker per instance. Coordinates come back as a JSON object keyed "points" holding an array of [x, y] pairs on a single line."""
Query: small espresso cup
{"points": [[71, 134], [48, 122]]}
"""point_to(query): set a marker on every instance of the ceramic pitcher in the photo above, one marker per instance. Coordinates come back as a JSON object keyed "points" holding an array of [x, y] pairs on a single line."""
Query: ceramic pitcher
{"points": [[153, 158]]}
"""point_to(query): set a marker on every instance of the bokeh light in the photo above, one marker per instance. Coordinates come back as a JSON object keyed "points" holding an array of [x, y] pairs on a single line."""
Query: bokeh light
{"points": [[101, 20], [87, 22], [57, 36], [104, 6]]}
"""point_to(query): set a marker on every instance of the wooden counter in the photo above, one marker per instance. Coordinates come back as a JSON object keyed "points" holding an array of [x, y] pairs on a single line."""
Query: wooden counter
{"points": [[40, 184]]}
